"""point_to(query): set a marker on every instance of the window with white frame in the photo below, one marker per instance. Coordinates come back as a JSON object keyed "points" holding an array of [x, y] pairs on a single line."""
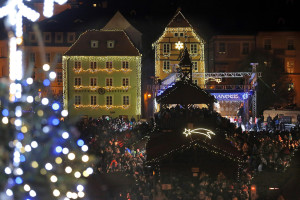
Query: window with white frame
{"points": [[166, 48], [77, 100], [109, 100], [110, 44], [125, 64], [71, 37], [195, 81], [59, 77], [59, 57], [47, 37], [94, 43], [267, 44], [166, 65], [47, 57], [109, 65], [108, 82], [32, 57], [194, 48], [222, 47], [77, 64], [291, 44], [125, 100], [195, 66], [93, 81], [93, 65], [125, 81], [245, 48], [77, 81], [58, 37], [93, 100]]}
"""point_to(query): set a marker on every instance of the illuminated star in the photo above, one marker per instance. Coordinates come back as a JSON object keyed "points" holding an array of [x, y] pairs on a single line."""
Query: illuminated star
{"points": [[187, 132], [179, 45], [201, 131]]}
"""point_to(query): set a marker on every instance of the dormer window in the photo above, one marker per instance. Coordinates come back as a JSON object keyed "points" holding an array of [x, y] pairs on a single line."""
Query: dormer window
{"points": [[110, 44], [94, 43]]}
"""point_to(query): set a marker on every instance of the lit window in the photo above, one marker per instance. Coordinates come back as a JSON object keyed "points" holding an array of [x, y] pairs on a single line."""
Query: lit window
{"points": [[93, 100], [109, 65], [94, 43], [290, 65], [93, 65], [245, 49], [93, 81], [109, 100], [77, 100], [125, 64], [166, 48], [110, 44], [77, 64], [291, 45], [125, 100], [222, 47], [77, 81], [59, 77], [195, 66], [108, 82], [125, 82], [267, 44], [194, 49], [166, 65]]}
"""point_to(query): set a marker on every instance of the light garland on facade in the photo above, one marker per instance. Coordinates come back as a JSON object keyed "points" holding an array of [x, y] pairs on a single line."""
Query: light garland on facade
{"points": [[107, 107], [110, 70], [108, 88], [134, 67]]}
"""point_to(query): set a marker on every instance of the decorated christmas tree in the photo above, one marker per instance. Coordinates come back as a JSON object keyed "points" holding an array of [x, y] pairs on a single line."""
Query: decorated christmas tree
{"points": [[42, 156]]}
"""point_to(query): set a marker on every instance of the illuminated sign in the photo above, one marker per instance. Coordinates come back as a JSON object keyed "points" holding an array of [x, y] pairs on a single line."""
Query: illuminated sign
{"points": [[241, 96], [201, 131]]}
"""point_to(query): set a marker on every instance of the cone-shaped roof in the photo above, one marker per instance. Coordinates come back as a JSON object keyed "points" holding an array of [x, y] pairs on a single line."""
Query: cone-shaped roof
{"points": [[179, 21]]}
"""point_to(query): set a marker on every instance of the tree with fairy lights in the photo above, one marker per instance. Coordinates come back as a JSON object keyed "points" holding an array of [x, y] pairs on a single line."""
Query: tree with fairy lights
{"points": [[45, 159]]}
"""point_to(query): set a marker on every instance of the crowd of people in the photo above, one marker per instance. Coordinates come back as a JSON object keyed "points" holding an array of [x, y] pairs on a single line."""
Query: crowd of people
{"points": [[119, 146]]}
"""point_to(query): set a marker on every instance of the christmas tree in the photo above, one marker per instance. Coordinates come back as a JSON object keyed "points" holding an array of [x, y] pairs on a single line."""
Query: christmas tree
{"points": [[42, 156]]}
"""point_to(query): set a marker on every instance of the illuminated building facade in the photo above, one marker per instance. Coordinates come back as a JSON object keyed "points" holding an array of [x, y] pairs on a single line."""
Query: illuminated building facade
{"points": [[102, 76], [178, 34]]}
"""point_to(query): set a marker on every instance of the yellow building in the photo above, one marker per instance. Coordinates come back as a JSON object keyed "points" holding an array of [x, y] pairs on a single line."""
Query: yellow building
{"points": [[179, 34]]}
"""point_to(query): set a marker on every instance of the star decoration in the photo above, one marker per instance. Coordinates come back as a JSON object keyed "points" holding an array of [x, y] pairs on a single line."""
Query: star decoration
{"points": [[201, 131], [179, 45]]}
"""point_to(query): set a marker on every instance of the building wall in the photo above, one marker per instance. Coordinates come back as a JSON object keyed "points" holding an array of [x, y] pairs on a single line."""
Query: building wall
{"points": [[101, 73], [188, 38], [4, 70], [227, 51], [53, 58], [286, 46]]}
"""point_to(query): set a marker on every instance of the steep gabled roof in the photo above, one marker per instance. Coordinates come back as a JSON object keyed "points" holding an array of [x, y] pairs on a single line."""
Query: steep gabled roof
{"points": [[118, 22], [179, 21], [123, 45]]}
